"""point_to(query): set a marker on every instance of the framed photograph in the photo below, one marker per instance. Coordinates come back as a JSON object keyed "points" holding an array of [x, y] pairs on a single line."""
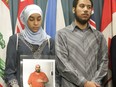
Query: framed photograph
{"points": [[28, 65]]}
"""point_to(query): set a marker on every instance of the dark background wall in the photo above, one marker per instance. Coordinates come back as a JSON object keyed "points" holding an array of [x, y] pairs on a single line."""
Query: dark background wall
{"points": [[67, 9]]}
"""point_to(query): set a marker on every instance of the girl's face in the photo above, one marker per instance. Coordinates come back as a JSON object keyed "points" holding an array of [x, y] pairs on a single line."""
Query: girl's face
{"points": [[34, 22]]}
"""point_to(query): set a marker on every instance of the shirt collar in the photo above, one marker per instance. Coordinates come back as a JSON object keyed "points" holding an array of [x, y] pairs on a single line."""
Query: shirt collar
{"points": [[74, 26]]}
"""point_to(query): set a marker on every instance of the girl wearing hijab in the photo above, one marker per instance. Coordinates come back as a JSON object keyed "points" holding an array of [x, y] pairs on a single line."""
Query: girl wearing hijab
{"points": [[33, 40]]}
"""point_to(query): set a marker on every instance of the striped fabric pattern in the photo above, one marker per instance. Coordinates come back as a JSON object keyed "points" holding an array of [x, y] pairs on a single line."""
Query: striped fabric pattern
{"points": [[81, 56]]}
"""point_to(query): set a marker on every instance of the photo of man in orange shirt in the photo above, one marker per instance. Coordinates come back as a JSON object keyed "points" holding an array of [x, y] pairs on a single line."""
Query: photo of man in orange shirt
{"points": [[37, 78]]}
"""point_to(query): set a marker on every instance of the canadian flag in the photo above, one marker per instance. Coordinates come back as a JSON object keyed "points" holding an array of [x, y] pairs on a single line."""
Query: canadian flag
{"points": [[22, 3], [108, 28]]}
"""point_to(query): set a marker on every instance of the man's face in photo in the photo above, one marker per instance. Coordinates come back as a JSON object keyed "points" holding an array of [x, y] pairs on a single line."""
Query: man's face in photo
{"points": [[37, 68]]}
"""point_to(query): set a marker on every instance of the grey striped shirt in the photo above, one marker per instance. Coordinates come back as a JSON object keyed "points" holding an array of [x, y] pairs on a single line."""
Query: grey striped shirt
{"points": [[80, 56]]}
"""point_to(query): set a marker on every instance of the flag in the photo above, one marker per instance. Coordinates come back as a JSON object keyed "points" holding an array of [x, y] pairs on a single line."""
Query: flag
{"points": [[1, 85], [92, 20], [54, 18], [5, 32], [108, 25], [50, 18], [60, 22], [22, 3]]}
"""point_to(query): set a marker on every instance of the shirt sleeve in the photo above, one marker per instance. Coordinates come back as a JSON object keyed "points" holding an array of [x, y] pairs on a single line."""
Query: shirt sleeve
{"points": [[10, 67], [102, 60], [65, 68]]}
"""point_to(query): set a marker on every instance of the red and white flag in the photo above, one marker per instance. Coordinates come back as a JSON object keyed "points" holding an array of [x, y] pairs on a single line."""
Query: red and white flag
{"points": [[5, 32], [22, 3], [108, 28], [92, 20]]}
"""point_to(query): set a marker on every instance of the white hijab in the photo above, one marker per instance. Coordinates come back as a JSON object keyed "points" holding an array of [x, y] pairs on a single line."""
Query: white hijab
{"points": [[38, 37]]}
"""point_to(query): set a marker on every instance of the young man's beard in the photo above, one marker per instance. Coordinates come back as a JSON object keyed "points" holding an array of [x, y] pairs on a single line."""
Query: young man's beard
{"points": [[80, 20]]}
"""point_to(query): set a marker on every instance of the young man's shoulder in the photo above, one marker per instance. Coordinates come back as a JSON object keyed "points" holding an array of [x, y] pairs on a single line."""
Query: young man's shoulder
{"points": [[97, 32], [65, 29]]}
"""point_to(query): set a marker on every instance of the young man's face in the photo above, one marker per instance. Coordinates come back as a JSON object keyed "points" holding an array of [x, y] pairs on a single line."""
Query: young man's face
{"points": [[34, 22], [83, 11]]}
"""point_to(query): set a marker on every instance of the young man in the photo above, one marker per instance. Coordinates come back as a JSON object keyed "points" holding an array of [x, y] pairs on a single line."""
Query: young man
{"points": [[81, 52]]}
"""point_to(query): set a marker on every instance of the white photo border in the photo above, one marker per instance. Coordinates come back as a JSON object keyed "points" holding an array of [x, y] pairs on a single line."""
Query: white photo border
{"points": [[27, 65]]}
